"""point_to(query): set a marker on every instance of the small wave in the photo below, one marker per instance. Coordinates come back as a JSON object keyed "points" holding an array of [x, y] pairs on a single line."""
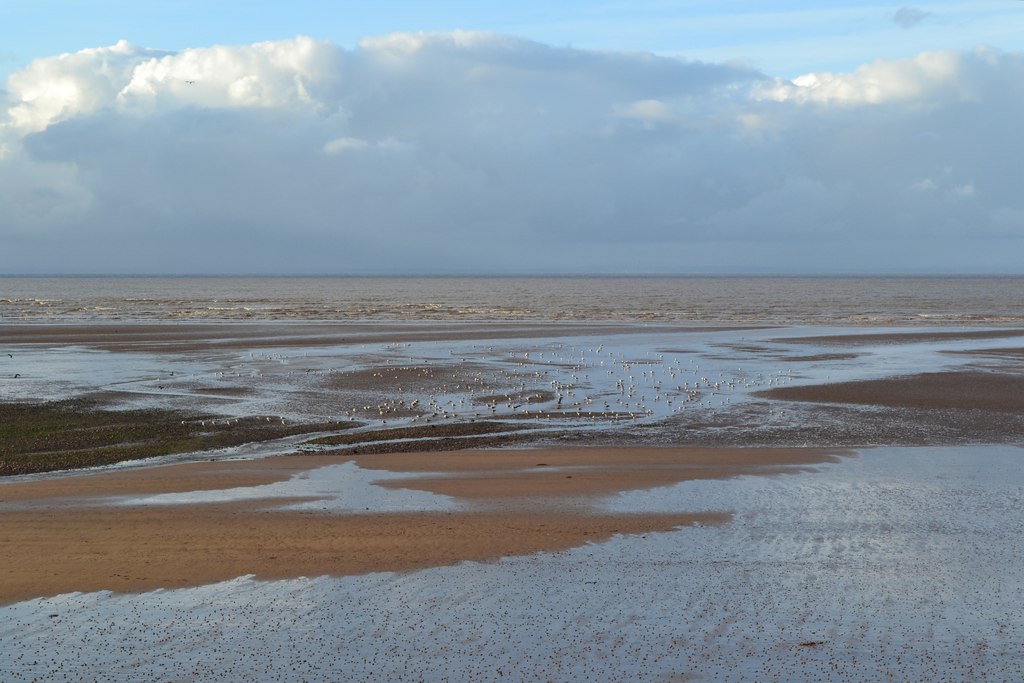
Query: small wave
{"points": [[823, 301]]}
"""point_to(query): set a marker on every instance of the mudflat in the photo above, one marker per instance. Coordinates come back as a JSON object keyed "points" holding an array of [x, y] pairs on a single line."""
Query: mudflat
{"points": [[902, 337], [960, 389], [191, 336]]}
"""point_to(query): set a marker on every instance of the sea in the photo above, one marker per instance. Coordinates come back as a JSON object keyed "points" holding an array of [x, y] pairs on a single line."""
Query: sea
{"points": [[867, 301]]}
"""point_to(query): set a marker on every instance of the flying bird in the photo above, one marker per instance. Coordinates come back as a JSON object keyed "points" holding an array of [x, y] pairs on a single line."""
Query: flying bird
{"points": [[191, 82]]}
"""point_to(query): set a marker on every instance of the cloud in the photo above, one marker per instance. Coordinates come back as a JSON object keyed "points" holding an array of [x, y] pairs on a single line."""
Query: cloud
{"points": [[929, 76], [469, 152], [909, 17], [54, 89]]}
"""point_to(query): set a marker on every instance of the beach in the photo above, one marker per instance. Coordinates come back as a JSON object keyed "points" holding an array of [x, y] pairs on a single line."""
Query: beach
{"points": [[502, 503], [663, 341], [894, 559], [472, 465]]}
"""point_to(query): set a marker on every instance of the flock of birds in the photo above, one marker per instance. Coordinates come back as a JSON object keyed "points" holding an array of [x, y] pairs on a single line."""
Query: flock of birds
{"points": [[572, 385], [575, 385]]}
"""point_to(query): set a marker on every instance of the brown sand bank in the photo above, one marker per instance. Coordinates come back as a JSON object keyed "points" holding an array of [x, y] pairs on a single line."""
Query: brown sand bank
{"points": [[58, 535], [903, 337], [141, 549], [931, 390], [1009, 353], [818, 357], [488, 475], [187, 337], [83, 488]]}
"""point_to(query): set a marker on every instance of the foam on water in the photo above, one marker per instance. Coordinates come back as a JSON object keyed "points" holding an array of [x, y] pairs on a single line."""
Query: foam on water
{"points": [[772, 300]]}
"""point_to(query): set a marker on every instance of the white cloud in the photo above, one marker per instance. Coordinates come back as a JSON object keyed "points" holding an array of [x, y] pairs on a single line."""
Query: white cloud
{"points": [[293, 73], [936, 78], [922, 77], [469, 151], [58, 88]]}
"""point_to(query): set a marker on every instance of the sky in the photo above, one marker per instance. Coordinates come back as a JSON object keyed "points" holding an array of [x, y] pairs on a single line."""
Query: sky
{"points": [[655, 136]]}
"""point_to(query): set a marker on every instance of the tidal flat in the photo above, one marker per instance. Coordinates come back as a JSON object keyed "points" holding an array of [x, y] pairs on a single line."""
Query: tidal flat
{"points": [[621, 501]]}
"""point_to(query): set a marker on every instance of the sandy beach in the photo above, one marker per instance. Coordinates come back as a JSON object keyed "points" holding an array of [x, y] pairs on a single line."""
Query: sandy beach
{"points": [[523, 502], [484, 461]]}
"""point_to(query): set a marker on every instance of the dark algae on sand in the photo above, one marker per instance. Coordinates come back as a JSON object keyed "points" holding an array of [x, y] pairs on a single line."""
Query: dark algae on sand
{"points": [[58, 435]]}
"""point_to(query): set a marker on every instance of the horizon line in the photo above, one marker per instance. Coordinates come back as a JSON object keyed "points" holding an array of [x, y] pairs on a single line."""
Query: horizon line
{"points": [[522, 275]]}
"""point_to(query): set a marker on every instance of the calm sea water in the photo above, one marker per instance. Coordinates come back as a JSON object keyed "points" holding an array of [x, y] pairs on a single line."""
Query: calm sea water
{"points": [[774, 300]]}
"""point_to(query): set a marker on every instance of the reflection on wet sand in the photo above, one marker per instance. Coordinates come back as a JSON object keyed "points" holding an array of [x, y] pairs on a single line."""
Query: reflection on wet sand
{"points": [[617, 562]]}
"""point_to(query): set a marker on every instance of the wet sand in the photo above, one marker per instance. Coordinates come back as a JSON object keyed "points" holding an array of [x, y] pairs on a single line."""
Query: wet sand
{"points": [[490, 476], [903, 337], [138, 550], [86, 487], [192, 337], [63, 534], [1005, 354], [857, 562], [934, 390]]}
